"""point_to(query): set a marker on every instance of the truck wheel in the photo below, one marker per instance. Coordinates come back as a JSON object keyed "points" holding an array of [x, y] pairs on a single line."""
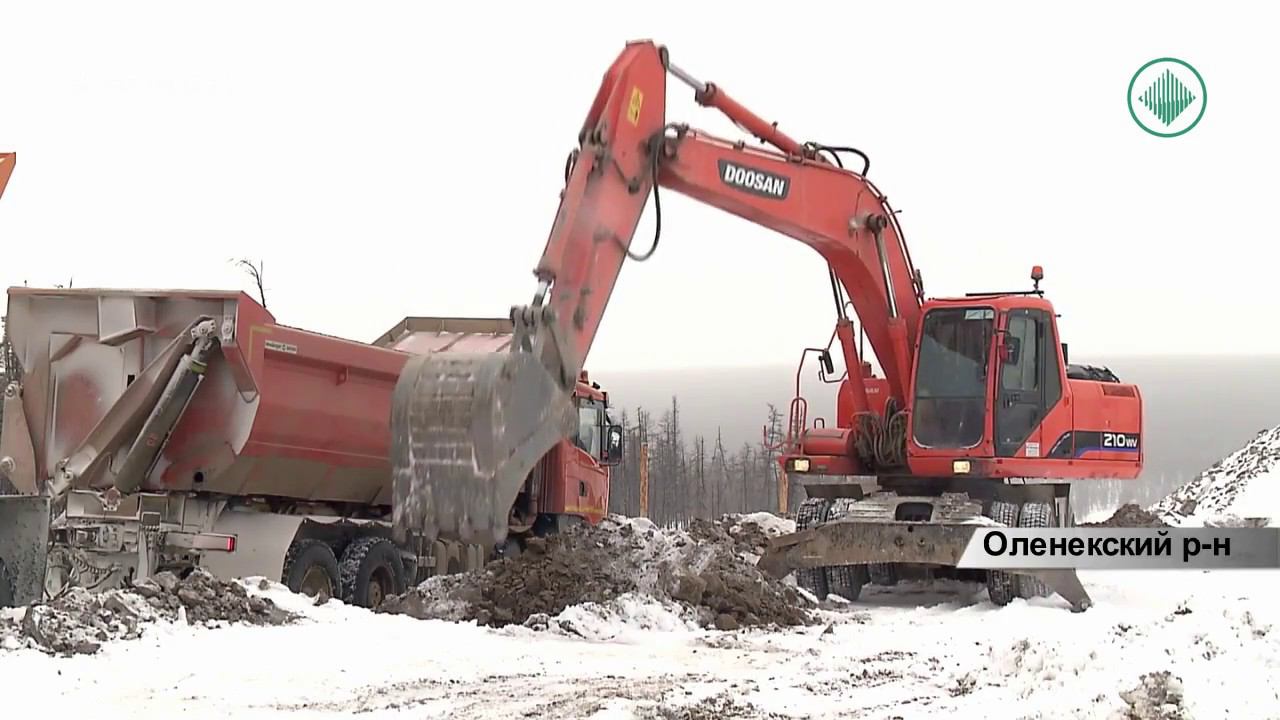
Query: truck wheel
{"points": [[371, 571], [883, 574], [1003, 586], [846, 581], [311, 569], [1034, 515], [810, 513]]}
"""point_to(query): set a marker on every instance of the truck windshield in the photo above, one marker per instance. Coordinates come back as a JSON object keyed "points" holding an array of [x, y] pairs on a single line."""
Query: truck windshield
{"points": [[951, 377], [588, 436]]}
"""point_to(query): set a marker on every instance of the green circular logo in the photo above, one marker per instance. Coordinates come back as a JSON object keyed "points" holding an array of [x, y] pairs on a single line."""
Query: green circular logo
{"points": [[1167, 97]]}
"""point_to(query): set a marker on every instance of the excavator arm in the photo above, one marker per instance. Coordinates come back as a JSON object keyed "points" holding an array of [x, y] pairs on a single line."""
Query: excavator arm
{"points": [[626, 148], [467, 429]]}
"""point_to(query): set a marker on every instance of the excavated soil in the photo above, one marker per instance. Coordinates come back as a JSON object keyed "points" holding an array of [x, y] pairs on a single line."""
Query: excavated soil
{"points": [[80, 622], [708, 569], [1129, 516]]}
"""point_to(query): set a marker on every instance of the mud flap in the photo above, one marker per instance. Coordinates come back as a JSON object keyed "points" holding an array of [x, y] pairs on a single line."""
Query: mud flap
{"points": [[862, 543], [24, 549], [466, 429]]}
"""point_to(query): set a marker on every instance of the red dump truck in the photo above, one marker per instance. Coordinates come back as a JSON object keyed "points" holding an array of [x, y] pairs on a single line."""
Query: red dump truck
{"points": [[167, 429]]}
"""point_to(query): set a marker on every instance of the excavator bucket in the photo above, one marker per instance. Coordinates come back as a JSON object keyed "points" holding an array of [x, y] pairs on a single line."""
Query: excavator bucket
{"points": [[24, 548], [467, 429]]}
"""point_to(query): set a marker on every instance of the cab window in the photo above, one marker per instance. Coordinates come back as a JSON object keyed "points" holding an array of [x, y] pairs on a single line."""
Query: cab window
{"points": [[589, 426]]}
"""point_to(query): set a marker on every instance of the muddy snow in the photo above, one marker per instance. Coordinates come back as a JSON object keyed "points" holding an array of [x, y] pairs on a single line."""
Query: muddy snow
{"points": [[910, 652], [80, 622], [635, 621]]}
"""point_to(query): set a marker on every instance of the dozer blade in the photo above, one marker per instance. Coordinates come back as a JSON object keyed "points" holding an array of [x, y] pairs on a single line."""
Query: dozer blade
{"points": [[466, 431], [844, 542], [24, 548]]}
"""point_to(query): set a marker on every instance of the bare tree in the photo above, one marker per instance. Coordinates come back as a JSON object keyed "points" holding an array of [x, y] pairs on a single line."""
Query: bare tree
{"points": [[255, 272], [701, 481]]}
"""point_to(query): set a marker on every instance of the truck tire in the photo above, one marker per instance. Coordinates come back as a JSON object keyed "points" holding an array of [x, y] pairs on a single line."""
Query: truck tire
{"points": [[311, 569], [846, 581], [810, 513], [371, 571], [1003, 586], [1035, 515], [883, 574]]}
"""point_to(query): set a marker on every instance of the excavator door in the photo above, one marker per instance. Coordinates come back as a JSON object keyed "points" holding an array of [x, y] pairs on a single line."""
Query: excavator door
{"points": [[1029, 382]]}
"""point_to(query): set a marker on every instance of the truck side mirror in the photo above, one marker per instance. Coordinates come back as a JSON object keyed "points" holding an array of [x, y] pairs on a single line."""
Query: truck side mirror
{"points": [[825, 357], [612, 449]]}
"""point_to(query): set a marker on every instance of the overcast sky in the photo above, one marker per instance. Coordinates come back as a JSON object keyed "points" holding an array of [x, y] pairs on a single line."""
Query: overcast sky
{"points": [[386, 159]]}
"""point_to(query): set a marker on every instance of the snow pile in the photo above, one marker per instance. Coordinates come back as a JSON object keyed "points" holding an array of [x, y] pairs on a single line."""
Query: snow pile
{"points": [[1241, 490], [79, 622], [701, 574]]}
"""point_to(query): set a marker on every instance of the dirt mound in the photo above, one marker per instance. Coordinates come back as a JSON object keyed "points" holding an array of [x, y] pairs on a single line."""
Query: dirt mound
{"points": [[1158, 696], [1129, 516], [702, 569], [80, 621]]}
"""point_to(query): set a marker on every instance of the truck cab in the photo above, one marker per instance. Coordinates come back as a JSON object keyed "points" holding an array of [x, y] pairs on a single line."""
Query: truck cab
{"points": [[575, 475]]}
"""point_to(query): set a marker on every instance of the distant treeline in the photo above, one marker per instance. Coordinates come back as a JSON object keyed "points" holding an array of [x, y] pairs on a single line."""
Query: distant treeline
{"points": [[701, 478]]}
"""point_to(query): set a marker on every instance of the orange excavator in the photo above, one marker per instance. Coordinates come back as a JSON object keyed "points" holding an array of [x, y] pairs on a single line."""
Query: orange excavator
{"points": [[977, 414]]}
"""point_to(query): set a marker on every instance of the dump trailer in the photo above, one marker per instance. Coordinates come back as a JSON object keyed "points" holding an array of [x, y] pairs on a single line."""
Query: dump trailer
{"points": [[153, 430]]}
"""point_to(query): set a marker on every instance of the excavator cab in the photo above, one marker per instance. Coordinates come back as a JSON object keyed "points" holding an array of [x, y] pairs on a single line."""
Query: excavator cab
{"points": [[993, 396], [996, 361]]}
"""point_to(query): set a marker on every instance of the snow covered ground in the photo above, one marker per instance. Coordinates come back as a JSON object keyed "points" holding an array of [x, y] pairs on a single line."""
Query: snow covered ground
{"points": [[942, 650]]}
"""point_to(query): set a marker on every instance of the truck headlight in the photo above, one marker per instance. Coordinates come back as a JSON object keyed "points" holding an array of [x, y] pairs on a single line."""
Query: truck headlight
{"points": [[800, 464], [960, 467]]}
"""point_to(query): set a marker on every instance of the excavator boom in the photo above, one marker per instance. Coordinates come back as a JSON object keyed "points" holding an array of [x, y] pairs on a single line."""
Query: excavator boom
{"points": [[468, 429], [7, 163]]}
